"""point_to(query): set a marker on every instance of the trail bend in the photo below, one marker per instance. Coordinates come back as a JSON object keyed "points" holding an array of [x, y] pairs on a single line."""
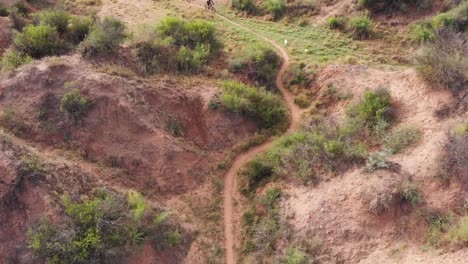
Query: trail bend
{"points": [[243, 158]]}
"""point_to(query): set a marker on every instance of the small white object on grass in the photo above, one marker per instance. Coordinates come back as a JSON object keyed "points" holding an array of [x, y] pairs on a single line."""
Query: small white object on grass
{"points": [[285, 42]]}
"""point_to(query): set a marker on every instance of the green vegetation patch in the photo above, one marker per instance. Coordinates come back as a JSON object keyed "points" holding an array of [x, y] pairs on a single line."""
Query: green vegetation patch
{"points": [[102, 229], [259, 104], [401, 138], [105, 37], [178, 45], [259, 63]]}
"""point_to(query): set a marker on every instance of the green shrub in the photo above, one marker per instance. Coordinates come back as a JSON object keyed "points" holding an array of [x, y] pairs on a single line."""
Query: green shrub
{"points": [[461, 232], [336, 22], [389, 6], [99, 230], [174, 126], [174, 238], [245, 6], [39, 41], [361, 27], [378, 161], [3, 11], [79, 28], [255, 174], [261, 64], [105, 37], [402, 138], [421, 33], [137, 204], [454, 160], [74, 105], [374, 111], [444, 62], [300, 76], [409, 193], [276, 7], [271, 197], [13, 59], [295, 256], [18, 19], [180, 45], [302, 101], [56, 19], [259, 104], [20, 7], [305, 155]]}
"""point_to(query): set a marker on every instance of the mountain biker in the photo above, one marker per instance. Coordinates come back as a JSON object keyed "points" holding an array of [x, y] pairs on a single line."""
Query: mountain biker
{"points": [[209, 3]]}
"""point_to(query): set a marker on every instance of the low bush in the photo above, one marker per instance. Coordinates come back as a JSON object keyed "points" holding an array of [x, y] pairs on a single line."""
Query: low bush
{"points": [[259, 63], [3, 11], [74, 105], [39, 41], [443, 63], [247, 6], [454, 160], [402, 138], [379, 161], [97, 230], [179, 45], [421, 33], [372, 114], [56, 19], [320, 148], [298, 75], [261, 232], [294, 255], [13, 59], [337, 22], [257, 103], [18, 19], [361, 27], [389, 6], [105, 37], [409, 193], [275, 7], [79, 28], [302, 101]]}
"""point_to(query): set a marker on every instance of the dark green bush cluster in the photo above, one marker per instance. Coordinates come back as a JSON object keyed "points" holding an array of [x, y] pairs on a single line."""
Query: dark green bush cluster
{"points": [[179, 45], [247, 6], [299, 75], [337, 22], [259, 63], [261, 232], [361, 27], [276, 7], [97, 230], [13, 59], [39, 41], [74, 105], [320, 148], [105, 37], [53, 33], [257, 103], [372, 114], [443, 63], [3, 11], [389, 6], [455, 19]]}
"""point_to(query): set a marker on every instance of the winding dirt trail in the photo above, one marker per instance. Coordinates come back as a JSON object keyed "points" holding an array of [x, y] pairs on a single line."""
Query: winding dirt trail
{"points": [[242, 159]]}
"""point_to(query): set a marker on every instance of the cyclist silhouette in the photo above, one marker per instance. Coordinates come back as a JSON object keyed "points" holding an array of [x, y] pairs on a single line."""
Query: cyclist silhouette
{"points": [[210, 5]]}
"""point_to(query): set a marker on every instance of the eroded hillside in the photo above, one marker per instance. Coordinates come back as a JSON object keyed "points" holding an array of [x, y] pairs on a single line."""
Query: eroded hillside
{"points": [[258, 132]]}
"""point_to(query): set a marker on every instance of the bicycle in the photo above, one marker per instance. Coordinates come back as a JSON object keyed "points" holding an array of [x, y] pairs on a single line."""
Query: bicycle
{"points": [[210, 8]]}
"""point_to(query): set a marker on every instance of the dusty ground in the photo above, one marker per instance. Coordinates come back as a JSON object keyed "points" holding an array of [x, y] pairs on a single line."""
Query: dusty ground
{"points": [[336, 209]]}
